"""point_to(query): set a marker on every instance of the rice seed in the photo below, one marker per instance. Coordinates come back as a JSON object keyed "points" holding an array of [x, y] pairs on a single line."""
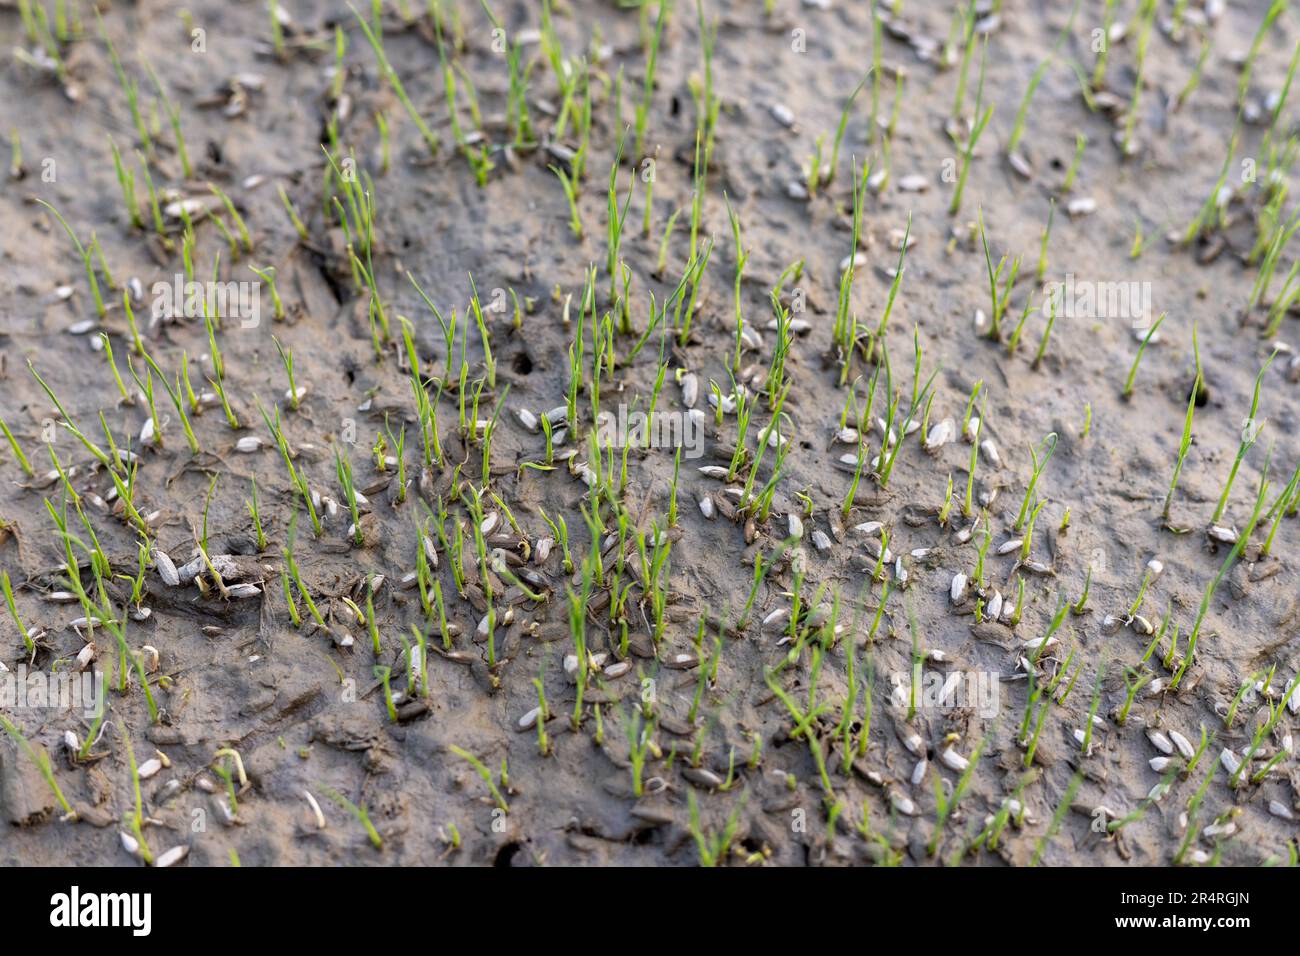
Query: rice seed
{"points": [[173, 856], [166, 569], [953, 760], [1160, 742], [994, 608], [940, 435], [1221, 534], [1231, 762], [527, 419], [902, 804], [782, 114], [1183, 744], [918, 771], [1082, 206]]}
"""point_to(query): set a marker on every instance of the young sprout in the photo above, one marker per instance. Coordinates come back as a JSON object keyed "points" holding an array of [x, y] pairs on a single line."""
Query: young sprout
{"points": [[361, 814], [377, 44], [972, 137], [485, 774], [1046, 449], [19, 456], [570, 193], [1208, 597], [1249, 433], [1146, 16], [1018, 130], [23, 631], [41, 759], [713, 849], [292, 211], [267, 275], [174, 116], [343, 469], [652, 59], [86, 256], [968, 19]]}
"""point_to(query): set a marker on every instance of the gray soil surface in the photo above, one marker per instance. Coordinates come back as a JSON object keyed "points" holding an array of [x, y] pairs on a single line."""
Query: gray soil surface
{"points": [[728, 764]]}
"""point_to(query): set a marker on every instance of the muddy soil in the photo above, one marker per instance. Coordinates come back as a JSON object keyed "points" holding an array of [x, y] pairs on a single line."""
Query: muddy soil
{"points": [[303, 707]]}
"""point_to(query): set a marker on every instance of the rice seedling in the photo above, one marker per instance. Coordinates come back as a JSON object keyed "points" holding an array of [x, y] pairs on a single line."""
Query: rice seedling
{"points": [[982, 116], [570, 194], [1213, 586], [255, 514], [1072, 171], [174, 117], [1211, 209], [845, 330], [1127, 391], [485, 774], [384, 675], [174, 393], [134, 821], [489, 364], [24, 632], [19, 456], [1041, 271], [386, 68], [1194, 80], [126, 181], [946, 803], [130, 87], [967, 17], [999, 300], [1022, 114], [1250, 433], [292, 211], [41, 760], [517, 111], [968, 505], [1146, 16], [652, 59], [361, 813], [86, 256], [1193, 828], [1279, 510], [713, 848], [833, 166], [109, 463], [1270, 15], [343, 469]]}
